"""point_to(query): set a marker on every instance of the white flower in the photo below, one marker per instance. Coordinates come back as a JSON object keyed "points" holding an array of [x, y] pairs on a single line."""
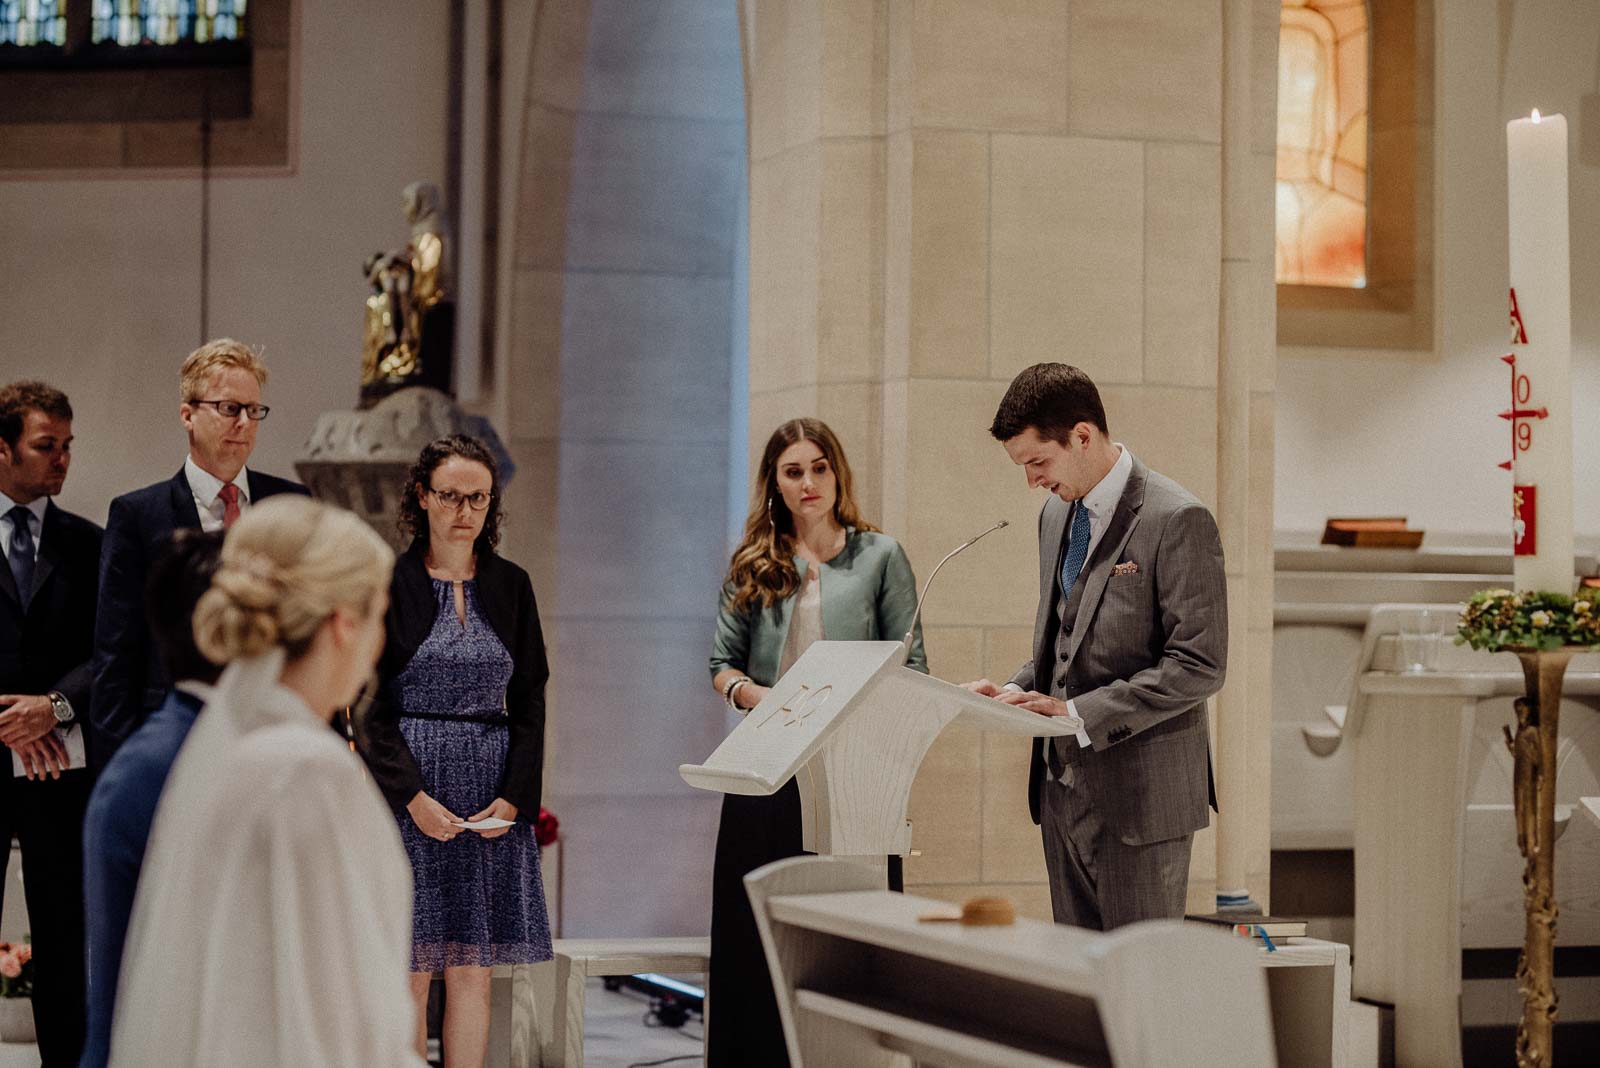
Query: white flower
{"points": [[1540, 619], [1582, 607]]}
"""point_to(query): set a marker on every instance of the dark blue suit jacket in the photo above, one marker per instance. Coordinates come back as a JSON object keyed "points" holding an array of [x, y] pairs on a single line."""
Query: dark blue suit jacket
{"points": [[116, 830], [48, 647], [129, 680]]}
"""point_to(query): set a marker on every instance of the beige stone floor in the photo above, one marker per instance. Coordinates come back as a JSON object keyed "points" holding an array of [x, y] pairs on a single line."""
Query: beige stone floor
{"points": [[615, 1035]]}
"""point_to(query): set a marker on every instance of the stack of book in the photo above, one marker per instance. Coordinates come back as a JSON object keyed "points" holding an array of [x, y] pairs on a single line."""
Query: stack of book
{"points": [[1264, 929]]}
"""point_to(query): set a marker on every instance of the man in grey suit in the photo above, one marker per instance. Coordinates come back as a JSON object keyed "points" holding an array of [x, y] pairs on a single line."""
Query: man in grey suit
{"points": [[1130, 639]]}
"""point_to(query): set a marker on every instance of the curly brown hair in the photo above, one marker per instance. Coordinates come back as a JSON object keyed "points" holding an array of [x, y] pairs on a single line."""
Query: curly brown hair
{"points": [[413, 520], [762, 571]]}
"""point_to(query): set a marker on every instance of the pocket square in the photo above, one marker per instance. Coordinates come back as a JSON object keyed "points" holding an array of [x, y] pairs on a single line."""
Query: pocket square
{"points": [[1127, 567]]}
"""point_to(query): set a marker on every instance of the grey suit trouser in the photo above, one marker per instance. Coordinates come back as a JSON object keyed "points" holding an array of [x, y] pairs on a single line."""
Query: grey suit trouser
{"points": [[1097, 880]]}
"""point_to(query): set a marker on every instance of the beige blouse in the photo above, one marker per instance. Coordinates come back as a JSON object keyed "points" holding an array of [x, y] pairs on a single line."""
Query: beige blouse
{"points": [[806, 625]]}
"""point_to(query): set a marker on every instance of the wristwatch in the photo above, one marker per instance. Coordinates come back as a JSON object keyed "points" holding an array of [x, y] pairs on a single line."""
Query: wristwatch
{"points": [[61, 707]]}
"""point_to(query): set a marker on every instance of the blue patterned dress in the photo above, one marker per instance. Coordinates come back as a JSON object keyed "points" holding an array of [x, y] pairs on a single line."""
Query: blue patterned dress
{"points": [[478, 901]]}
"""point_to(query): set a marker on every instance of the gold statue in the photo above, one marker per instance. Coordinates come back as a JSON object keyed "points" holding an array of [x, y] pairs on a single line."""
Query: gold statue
{"points": [[409, 321]]}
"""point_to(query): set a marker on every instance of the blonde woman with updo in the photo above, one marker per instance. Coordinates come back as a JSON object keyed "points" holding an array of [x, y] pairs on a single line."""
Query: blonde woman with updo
{"points": [[272, 922], [808, 568]]}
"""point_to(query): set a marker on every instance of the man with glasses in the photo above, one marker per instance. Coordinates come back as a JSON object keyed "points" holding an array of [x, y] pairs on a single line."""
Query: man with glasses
{"points": [[220, 392]]}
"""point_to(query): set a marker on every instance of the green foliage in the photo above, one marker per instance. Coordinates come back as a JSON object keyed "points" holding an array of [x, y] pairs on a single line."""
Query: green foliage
{"points": [[1496, 620]]}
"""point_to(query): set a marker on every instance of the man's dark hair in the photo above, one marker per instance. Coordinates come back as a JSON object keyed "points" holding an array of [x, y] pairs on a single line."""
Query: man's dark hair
{"points": [[20, 398], [1052, 398], [177, 579]]}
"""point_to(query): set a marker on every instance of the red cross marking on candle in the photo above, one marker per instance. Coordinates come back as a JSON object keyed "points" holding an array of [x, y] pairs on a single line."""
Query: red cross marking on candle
{"points": [[1519, 413]]}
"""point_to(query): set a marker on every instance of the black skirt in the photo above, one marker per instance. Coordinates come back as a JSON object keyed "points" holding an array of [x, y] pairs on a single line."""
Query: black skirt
{"points": [[745, 1029]]}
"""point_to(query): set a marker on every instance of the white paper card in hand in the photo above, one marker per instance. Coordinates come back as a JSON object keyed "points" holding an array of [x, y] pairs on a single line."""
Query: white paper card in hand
{"points": [[71, 739], [489, 824]]}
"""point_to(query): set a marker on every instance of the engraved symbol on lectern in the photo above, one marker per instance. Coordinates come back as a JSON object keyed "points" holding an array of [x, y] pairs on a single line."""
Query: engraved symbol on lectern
{"points": [[799, 705]]}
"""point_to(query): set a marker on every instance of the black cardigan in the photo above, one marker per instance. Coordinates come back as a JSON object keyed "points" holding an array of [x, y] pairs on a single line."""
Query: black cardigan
{"points": [[506, 596]]}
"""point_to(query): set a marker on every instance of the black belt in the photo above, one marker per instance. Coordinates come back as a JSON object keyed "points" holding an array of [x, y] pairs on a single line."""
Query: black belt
{"points": [[491, 718]]}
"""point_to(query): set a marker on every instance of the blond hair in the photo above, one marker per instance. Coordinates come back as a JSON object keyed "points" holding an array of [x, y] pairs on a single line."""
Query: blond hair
{"points": [[287, 565], [214, 356]]}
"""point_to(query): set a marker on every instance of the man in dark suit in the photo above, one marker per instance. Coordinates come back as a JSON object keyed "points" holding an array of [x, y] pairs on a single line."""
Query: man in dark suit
{"points": [[221, 410], [1130, 639], [47, 604]]}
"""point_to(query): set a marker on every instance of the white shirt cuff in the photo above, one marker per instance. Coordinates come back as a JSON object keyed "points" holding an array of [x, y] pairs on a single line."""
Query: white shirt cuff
{"points": [[1083, 733]]}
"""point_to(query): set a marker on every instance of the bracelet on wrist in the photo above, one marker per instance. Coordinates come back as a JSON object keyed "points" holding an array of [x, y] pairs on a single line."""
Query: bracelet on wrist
{"points": [[731, 686]]}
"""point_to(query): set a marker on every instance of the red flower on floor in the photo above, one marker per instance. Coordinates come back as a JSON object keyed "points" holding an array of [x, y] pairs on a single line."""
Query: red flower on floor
{"points": [[548, 828]]}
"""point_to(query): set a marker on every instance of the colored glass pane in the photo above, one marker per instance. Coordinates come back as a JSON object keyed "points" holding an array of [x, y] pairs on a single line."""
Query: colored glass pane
{"points": [[1322, 143], [33, 22], [164, 22]]}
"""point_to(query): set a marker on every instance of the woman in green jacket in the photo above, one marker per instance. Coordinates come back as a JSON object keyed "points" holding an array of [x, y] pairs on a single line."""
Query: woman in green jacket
{"points": [[808, 567]]}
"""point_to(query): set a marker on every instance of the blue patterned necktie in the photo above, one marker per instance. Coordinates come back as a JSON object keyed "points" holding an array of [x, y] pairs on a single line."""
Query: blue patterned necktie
{"points": [[21, 556], [1077, 548]]}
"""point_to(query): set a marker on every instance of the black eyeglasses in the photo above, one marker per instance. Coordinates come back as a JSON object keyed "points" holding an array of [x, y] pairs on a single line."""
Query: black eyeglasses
{"points": [[231, 409], [451, 499]]}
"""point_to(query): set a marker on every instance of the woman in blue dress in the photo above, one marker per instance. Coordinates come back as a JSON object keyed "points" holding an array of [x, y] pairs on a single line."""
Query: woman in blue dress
{"points": [[456, 737]]}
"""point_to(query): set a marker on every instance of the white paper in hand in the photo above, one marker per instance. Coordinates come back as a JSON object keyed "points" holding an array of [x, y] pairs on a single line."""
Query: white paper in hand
{"points": [[489, 824], [71, 739]]}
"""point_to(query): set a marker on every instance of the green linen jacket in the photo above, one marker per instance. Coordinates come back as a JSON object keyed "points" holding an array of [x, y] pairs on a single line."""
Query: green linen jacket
{"points": [[868, 594]]}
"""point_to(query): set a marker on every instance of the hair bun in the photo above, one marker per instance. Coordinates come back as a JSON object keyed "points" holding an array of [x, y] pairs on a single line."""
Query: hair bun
{"points": [[238, 615]]}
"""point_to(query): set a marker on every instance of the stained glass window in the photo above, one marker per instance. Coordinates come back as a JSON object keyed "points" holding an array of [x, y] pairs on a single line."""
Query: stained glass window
{"points": [[33, 22], [1322, 143], [164, 22]]}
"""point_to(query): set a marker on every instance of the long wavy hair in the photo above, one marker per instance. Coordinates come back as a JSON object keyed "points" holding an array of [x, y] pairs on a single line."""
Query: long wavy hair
{"points": [[762, 572], [413, 518]]}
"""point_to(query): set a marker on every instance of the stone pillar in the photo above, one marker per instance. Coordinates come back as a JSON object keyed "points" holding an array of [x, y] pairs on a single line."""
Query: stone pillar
{"points": [[620, 302], [941, 195], [1246, 370]]}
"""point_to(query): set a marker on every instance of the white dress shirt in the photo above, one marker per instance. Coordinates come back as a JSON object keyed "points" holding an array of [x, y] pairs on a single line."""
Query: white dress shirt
{"points": [[207, 490], [1101, 503], [36, 509]]}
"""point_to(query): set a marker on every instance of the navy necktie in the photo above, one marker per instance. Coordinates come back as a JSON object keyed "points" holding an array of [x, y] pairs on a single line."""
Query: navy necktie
{"points": [[1077, 548], [22, 553]]}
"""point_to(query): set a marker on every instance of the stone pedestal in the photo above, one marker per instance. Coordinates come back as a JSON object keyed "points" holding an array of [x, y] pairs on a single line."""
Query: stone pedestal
{"points": [[359, 459]]}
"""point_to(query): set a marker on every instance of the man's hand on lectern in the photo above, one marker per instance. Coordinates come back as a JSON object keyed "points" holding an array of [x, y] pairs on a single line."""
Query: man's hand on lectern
{"points": [[983, 688], [1034, 701]]}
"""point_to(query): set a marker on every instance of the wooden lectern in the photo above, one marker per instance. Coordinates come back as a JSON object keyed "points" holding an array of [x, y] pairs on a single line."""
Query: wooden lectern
{"points": [[851, 724]]}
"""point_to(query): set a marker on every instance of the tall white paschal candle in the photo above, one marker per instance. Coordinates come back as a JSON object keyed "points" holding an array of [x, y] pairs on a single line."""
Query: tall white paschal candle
{"points": [[1541, 327]]}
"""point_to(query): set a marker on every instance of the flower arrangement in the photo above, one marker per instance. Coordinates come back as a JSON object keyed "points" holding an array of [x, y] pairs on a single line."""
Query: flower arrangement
{"points": [[1497, 620], [16, 970], [547, 828]]}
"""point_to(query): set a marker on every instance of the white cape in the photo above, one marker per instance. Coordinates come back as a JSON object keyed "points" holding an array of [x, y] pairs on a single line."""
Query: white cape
{"points": [[272, 924]]}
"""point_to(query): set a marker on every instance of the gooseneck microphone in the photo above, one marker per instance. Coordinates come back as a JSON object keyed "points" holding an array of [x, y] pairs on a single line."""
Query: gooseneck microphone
{"points": [[963, 547]]}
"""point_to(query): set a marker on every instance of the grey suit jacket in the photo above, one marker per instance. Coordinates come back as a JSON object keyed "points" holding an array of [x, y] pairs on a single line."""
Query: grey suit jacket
{"points": [[1147, 648]]}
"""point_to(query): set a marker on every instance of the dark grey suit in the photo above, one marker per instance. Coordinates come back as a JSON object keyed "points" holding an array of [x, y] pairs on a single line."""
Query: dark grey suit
{"points": [[1138, 653]]}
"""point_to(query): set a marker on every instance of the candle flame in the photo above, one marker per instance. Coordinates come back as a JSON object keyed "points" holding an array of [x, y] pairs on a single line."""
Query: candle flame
{"points": [[1535, 114]]}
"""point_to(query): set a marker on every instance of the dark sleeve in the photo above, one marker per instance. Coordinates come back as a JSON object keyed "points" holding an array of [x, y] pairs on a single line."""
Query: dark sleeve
{"points": [[76, 684], [393, 765], [522, 783], [120, 652]]}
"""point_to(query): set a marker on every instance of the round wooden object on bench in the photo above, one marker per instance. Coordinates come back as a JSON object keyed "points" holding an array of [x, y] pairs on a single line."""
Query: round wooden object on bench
{"points": [[988, 912]]}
